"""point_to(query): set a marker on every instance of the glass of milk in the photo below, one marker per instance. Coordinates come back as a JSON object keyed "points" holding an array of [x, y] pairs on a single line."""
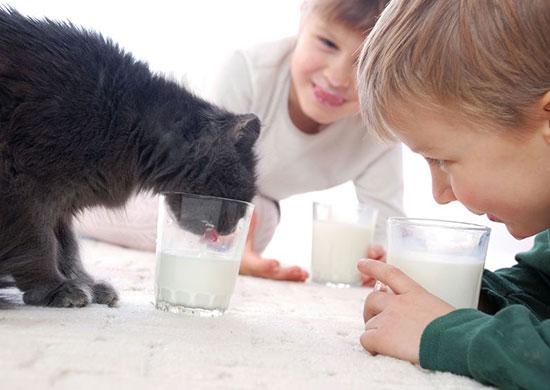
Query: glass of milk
{"points": [[445, 257], [200, 242], [341, 236]]}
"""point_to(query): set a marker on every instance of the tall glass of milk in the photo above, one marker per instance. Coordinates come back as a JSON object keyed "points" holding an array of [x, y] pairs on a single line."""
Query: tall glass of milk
{"points": [[341, 236], [200, 242], [445, 257]]}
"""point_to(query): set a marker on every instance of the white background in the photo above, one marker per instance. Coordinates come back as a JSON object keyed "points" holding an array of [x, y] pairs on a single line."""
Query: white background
{"points": [[179, 37]]}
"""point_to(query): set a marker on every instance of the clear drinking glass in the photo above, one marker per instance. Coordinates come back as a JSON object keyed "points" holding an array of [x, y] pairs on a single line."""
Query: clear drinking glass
{"points": [[445, 257], [341, 236], [200, 242]]}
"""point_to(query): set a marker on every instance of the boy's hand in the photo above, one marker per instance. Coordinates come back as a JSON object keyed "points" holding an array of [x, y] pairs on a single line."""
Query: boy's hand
{"points": [[394, 322], [254, 265], [375, 252]]}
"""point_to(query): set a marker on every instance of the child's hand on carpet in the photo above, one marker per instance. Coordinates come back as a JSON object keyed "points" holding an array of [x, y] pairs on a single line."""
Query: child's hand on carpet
{"points": [[394, 323], [374, 252], [253, 264]]}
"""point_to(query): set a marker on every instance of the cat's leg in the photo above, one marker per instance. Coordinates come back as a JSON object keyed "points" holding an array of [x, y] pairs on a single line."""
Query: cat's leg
{"points": [[28, 251], [71, 266]]}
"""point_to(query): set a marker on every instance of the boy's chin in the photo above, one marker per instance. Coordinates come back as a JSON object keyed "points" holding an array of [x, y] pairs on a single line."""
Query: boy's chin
{"points": [[326, 115], [519, 233]]}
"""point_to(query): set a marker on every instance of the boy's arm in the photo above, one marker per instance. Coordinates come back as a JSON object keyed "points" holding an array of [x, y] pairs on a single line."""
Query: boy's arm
{"points": [[252, 263], [381, 186], [521, 284], [526, 283], [510, 349]]}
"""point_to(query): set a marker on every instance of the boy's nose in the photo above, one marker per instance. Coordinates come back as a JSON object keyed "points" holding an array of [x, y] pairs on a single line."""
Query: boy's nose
{"points": [[338, 82], [444, 196], [339, 74], [442, 190]]}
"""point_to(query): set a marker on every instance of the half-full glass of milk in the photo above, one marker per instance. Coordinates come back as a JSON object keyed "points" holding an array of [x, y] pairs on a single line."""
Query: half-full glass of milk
{"points": [[445, 257], [200, 242], [341, 236]]}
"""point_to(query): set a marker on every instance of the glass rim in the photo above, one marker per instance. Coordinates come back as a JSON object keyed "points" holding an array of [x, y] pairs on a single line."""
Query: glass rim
{"points": [[209, 197], [438, 223]]}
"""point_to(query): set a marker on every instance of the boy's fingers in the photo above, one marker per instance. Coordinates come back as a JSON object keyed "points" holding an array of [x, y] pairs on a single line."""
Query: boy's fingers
{"points": [[375, 303], [367, 341], [367, 281], [294, 274], [271, 269], [391, 276], [376, 252], [369, 338], [251, 264]]}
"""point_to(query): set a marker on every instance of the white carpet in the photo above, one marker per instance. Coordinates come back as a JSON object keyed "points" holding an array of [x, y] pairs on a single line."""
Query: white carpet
{"points": [[275, 335]]}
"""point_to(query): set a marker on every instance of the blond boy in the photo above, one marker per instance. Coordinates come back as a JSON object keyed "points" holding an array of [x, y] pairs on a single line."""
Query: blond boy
{"points": [[466, 83]]}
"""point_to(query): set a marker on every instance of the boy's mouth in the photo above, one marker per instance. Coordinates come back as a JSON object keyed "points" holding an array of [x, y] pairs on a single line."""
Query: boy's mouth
{"points": [[326, 98]]}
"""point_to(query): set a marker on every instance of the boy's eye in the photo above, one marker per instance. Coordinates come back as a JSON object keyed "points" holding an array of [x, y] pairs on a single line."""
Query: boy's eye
{"points": [[435, 162], [328, 43]]}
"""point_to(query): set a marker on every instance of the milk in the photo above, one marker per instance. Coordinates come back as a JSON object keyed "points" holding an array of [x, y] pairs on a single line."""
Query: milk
{"points": [[336, 249], [195, 282], [456, 280]]}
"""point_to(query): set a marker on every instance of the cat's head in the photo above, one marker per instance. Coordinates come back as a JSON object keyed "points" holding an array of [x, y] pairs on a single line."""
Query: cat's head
{"points": [[220, 161]]}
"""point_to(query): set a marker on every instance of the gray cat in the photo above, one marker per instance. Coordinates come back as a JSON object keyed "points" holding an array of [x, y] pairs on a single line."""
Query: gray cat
{"points": [[82, 124]]}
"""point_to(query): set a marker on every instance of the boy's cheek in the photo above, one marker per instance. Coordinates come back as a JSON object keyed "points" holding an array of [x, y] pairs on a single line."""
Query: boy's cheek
{"points": [[354, 106], [469, 193]]}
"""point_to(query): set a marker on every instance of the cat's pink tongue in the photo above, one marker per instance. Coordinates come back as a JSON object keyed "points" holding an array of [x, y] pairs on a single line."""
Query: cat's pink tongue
{"points": [[211, 235]]}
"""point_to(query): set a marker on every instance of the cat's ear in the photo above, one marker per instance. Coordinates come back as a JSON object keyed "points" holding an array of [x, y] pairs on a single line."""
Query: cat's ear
{"points": [[247, 129]]}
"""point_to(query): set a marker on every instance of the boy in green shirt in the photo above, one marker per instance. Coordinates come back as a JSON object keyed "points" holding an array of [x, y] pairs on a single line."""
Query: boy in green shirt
{"points": [[466, 83]]}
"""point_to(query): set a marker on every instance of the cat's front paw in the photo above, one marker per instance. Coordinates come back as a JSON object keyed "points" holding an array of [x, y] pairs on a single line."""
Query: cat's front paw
{"points": [[105, 294], [70, 293]]}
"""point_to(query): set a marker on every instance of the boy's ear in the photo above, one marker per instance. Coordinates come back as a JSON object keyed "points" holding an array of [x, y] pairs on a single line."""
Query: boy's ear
{"points": [[546, 104]]}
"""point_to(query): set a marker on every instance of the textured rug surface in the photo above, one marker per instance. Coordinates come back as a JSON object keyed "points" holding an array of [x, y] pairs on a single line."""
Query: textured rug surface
{"points": [[275, 335]]}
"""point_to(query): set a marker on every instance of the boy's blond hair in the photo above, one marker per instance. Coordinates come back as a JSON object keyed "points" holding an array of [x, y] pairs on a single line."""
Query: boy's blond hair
{"points": [[359, 15], [487, 60]]}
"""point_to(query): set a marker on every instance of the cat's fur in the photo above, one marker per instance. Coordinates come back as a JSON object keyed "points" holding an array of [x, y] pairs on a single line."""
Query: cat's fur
{"points": [[82, 124]]}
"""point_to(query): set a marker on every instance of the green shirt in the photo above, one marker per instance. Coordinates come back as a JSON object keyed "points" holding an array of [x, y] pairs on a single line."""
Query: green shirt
{"points": [[510, 349]]}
